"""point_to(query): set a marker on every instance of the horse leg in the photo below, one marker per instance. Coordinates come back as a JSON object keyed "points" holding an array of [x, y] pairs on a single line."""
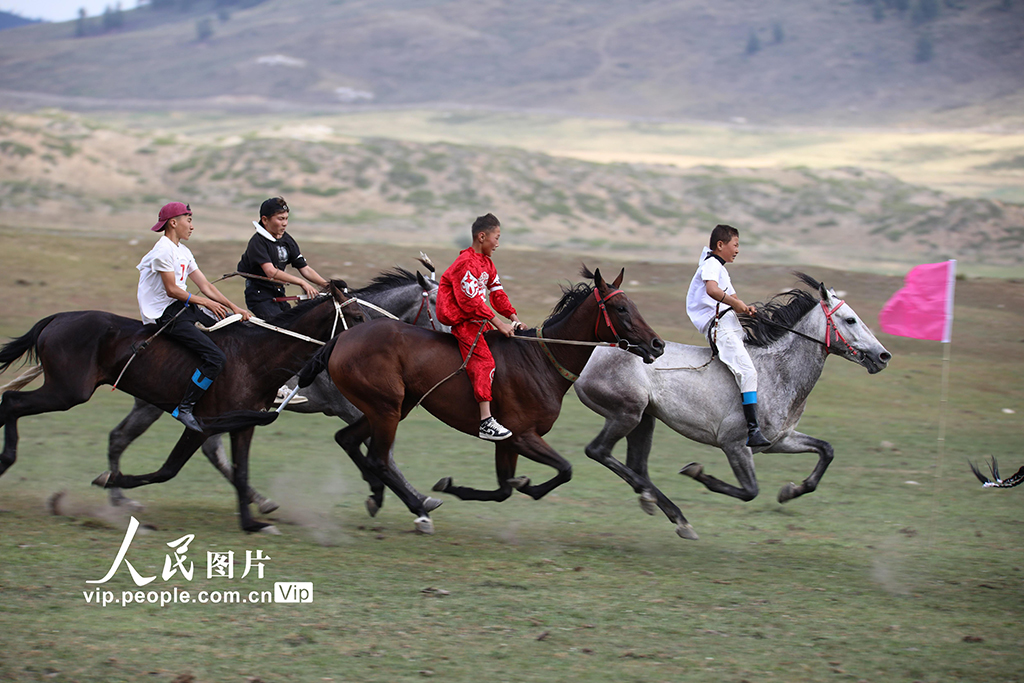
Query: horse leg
{"points": [[742, 461], [186, 446], [505, 457], [213, 449], [50, 397], [802, 443], [639, 434], [351, 439], [535, 448], [141, 418], [381, 461], [240, 442]]}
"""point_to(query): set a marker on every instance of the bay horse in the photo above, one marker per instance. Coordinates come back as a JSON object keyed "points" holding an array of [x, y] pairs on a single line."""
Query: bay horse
{"points": [[408, 296], [386, 369], [81, 350], [696, 395]]}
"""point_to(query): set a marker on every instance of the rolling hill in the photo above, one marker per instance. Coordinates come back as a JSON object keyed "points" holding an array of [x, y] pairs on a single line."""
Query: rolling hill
{"points": [[868, 62], [67, 172]]}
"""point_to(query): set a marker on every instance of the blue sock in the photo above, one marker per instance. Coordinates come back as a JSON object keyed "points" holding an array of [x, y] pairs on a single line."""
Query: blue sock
{"points": [[749, 397]]}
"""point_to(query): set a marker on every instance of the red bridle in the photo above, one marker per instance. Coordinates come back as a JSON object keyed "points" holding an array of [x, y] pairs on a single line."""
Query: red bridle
{"points": [[607, 319]]}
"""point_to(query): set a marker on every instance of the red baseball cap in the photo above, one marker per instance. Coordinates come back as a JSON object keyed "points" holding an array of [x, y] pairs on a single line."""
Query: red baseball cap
{"points": [[169, 211]]}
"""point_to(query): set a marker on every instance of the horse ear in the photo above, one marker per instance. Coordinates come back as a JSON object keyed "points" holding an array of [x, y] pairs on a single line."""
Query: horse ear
{"points": [[823, 291], [618, 280], [598, 280], [423, 281]]}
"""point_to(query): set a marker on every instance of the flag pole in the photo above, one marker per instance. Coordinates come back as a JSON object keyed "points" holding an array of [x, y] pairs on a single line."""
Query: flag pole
{"points": [[941, 446], [947, 344]]}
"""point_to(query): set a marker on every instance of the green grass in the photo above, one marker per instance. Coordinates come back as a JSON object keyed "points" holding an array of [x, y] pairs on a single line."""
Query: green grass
{"points": [[869, 578]]}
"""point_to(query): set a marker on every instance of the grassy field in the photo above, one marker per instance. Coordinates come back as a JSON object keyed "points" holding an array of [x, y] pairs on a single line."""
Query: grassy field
{"points": [[899, 568]]}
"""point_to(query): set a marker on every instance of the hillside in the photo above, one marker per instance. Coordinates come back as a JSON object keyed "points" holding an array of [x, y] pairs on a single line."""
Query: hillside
{"points": [[65, 172], [802, 61]]}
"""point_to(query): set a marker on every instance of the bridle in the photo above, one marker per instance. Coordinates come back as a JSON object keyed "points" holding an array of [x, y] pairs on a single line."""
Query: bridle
{"points": [[424, 300], [830, 328], [623, 344]]}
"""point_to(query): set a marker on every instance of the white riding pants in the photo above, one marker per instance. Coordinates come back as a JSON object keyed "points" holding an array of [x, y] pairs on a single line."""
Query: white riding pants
{"points": [[733, 353]]}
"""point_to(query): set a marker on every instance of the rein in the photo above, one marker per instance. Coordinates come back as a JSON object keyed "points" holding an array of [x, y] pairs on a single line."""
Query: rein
{"points": [[830, 327], [259, 322]]}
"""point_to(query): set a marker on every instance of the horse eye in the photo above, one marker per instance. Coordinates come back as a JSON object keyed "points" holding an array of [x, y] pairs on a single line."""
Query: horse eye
{"points": [[851, 321], [621, 309]]}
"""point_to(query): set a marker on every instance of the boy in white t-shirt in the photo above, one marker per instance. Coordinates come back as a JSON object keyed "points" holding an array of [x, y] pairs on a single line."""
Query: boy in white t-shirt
{"points": [[710, 289], [162, 295]]}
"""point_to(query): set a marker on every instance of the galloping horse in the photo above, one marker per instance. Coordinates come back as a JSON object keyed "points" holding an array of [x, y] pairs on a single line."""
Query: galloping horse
{"points": [[386, 369], [696, 395], [409, 297], [81, 350]]}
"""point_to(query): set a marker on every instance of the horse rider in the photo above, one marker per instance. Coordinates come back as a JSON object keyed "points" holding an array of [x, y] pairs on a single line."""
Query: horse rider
{"points": [[710, 288], [164, 300], [462, 303], [268, 253]]}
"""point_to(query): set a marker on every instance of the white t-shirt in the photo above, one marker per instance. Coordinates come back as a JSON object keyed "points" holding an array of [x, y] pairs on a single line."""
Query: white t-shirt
{"points": [[164, 257], [699, 306]]}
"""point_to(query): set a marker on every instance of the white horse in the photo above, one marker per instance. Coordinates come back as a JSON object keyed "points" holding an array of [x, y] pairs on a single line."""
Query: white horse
{"points": [[696, 395]]}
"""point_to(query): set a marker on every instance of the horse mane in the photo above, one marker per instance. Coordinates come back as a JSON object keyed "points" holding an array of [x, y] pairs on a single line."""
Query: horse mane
{"points": [[572, 297], [396, 277], [298, 310], [785, 309]]}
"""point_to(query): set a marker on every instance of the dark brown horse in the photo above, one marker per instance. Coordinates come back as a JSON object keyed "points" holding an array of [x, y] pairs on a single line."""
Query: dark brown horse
{"points": [[81, 350], [385, 369]]}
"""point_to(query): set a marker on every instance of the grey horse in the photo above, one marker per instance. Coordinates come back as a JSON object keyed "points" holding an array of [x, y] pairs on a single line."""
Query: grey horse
{"points": [[411, 298], [696, 395]]}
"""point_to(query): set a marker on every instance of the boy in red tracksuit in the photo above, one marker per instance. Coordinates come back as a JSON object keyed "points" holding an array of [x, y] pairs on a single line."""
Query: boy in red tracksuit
{"points": [[462, 303]]}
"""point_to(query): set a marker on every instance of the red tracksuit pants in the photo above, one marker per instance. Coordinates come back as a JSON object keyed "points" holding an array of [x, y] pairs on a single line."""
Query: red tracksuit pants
{"points": [[480, 367]]}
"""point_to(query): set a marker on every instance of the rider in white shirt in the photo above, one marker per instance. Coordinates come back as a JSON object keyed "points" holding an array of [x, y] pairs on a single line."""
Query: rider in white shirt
{"points": [[162, 295], [711, 289]]}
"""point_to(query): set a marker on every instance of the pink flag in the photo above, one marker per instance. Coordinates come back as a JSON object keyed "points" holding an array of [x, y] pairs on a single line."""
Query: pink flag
{"points": [[923, 309]]}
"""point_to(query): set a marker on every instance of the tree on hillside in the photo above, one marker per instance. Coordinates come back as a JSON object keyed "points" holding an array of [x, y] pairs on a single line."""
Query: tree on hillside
{"points": [[113, 18], [204, 29], [923, 49], [753, 43], [924, 11], [80, 26], [778, 35]]}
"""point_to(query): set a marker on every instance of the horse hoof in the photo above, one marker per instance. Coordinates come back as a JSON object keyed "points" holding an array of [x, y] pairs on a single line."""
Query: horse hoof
{"points": [[788, 492], [371, 506], [270, 529], [442, 484], [519, 483], [693, 470], [430, 504], [648, 502], [686, 531], [424, 525], [102, 480], [267, 506]]}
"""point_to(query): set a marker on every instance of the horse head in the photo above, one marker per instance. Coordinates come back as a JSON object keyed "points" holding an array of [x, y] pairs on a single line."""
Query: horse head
{"points": [[619, 320], [846, 334]]}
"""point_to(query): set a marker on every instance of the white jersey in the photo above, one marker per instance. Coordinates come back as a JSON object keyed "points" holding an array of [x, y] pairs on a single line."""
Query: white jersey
{"points": [[699, 306], [164, 257]]}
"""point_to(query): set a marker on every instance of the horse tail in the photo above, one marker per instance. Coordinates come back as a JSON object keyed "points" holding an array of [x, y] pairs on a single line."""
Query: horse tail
{"points": [[317, 364], [26, 343], [235, 420]]}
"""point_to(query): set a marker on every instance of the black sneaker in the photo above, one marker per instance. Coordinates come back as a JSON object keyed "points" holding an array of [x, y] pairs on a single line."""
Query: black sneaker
{"points": [[491, 430]]}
